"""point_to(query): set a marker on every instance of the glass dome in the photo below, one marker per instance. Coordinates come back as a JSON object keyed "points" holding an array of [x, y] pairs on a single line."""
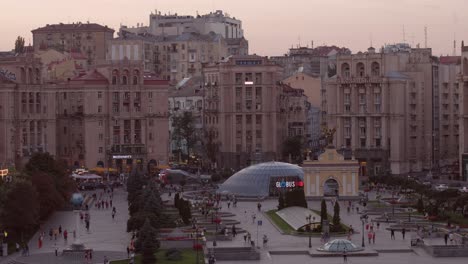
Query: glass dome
{"points": [[255, 180], [339, 245]]}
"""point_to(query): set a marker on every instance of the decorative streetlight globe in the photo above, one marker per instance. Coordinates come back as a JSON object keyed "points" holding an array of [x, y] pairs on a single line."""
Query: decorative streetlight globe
{"points": [[77, 199]]}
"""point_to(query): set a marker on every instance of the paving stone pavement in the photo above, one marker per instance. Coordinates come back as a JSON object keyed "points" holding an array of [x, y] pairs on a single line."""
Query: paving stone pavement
{"points": [[106, 236]]}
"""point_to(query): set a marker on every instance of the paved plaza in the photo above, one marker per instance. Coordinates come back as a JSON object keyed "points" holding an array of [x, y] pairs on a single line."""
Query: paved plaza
{"points": [[109, 238]]}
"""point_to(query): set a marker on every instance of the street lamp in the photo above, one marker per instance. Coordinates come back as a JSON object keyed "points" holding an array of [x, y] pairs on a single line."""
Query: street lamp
{"points": [[410, 210], [363, 220]]}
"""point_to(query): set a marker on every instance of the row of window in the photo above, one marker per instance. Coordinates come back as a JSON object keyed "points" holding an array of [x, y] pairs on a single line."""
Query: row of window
{"points": [[360, 70]]}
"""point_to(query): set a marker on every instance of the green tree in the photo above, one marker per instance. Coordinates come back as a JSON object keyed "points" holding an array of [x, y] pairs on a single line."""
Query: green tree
{"points": [[292, 146], [295, 197], [420, 206], [19, 45], [280, 201], [147, 242], [323, 212], [184, 130], [49, 198], [336, 217], [20, 208]]}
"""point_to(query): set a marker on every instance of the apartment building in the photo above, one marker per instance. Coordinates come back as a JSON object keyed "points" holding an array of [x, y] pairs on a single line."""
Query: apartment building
{"points": [[113, 116], [449, 101], [89, 39], [242, 105], [382, 107]]}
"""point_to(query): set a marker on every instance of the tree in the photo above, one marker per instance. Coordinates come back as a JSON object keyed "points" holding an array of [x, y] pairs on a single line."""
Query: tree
{"points": [[420, 205], [295, 197], [292, 146], [49, 198], [184, 130], [336, 217], [323, 212], [280, 201], [20, 209], [19, 45], [147, 242]]}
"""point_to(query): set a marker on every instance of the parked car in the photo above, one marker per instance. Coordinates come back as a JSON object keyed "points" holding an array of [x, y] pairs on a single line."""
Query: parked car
{"points": [[441, 187], [464, 189]]}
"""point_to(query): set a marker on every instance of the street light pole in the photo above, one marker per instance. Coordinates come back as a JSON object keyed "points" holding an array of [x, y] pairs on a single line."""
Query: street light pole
{"points": [[363, 218], [308, 218]]}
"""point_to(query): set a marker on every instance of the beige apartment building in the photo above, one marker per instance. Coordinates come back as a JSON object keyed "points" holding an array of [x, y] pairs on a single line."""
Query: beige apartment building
{"points": [[89, 39], [463, 88], [381, 105], [113, 116], [448, 101], [242, 104]]}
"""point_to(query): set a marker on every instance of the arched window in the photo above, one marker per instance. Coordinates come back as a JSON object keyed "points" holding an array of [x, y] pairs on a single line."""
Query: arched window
{"points": [[30, 76], [38, 76], [115, 76], [136, 75], [345, 70], [375, 69], [125, 77], [360, 70]]}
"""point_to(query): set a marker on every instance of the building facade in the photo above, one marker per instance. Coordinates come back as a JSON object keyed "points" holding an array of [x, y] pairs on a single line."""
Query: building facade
{"points": [[242, 107], [463, 121], [115, 115], [382, 107], [89, 39]]}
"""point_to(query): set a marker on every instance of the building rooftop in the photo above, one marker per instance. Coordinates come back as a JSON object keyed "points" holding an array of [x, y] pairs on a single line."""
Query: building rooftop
{"points": [[72, 27]]}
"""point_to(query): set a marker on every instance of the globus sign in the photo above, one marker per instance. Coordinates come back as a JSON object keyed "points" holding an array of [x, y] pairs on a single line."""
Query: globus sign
{"points": [[289, 184]]}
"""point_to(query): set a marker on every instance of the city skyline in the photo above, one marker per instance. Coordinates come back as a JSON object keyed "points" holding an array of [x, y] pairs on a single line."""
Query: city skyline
{"points": [[355, 25]]}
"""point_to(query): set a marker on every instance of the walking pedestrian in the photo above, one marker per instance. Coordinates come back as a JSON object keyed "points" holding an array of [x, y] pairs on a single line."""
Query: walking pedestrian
{"points": [[369, 237], [51, 233], [378, 225], [65, 235], [234, 231], [373, 238], [446, 236], [128, 252], [259, 206], [392, 234], [106, 260], [245, 238], [249, 238], [403, 231], [60, 230], [253, 218], [229, 204], [345, 256]]}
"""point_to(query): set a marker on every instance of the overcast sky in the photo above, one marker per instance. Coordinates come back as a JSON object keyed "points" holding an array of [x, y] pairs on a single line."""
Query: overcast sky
{"points": [[271, 26]]}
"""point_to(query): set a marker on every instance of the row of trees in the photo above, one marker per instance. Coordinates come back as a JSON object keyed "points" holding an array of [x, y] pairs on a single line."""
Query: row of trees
{"points": [[42, 187], [428, 200]]}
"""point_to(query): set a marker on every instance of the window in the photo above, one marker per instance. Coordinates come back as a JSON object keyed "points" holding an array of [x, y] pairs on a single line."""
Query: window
{"points": [[375, 68], [248, 119], [378, 132], [238, 107], [258, 133], [150, 136], [347, 132], [101, 136], [378, 142], [348, 142], [100, 123], [99, 95], [99, 109], [64, 130], [65, 96], [248, 92], [238, 133], [239, 119], [360, 69], [151, 122], [363, 142], [100, 150], [258, 119], [150, 94], [345, 70], [238, 92]]}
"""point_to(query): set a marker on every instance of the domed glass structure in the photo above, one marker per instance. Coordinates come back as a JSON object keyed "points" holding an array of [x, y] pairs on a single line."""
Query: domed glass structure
{"points": [[263, 179], [340, 245]]}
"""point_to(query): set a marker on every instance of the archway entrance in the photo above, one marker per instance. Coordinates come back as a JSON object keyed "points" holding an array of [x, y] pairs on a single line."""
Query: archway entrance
{"points": [[331, 188]]}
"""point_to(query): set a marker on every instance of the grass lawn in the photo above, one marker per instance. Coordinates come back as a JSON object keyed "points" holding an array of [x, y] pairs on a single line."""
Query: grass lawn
{"points": [[189, 256], [285, 227]]}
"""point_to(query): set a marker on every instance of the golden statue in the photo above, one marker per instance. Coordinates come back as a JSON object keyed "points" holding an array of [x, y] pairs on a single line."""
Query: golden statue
{"points": [[328, 134]]}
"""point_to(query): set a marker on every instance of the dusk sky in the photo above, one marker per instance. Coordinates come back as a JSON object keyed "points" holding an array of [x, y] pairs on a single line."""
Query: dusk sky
{"points": [[271, 26]]}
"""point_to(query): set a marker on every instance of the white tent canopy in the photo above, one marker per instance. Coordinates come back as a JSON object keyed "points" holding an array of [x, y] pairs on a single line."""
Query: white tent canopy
{"points": [[86, 176]]}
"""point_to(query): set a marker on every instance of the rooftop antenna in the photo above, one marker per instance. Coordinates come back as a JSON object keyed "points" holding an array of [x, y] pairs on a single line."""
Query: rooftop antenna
{"points": [[425, 37], [299, 38], [312, 44], [370, 37]]}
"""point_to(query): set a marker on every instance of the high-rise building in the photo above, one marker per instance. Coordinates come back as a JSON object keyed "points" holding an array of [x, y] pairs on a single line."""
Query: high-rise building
{"points": [[243, 98], [382, 107], [89, 39]]}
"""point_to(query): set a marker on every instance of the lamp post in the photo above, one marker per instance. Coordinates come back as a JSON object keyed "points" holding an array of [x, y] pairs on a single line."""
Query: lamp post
{"points": [[363, 220], [410, 210], [308, 218]]}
